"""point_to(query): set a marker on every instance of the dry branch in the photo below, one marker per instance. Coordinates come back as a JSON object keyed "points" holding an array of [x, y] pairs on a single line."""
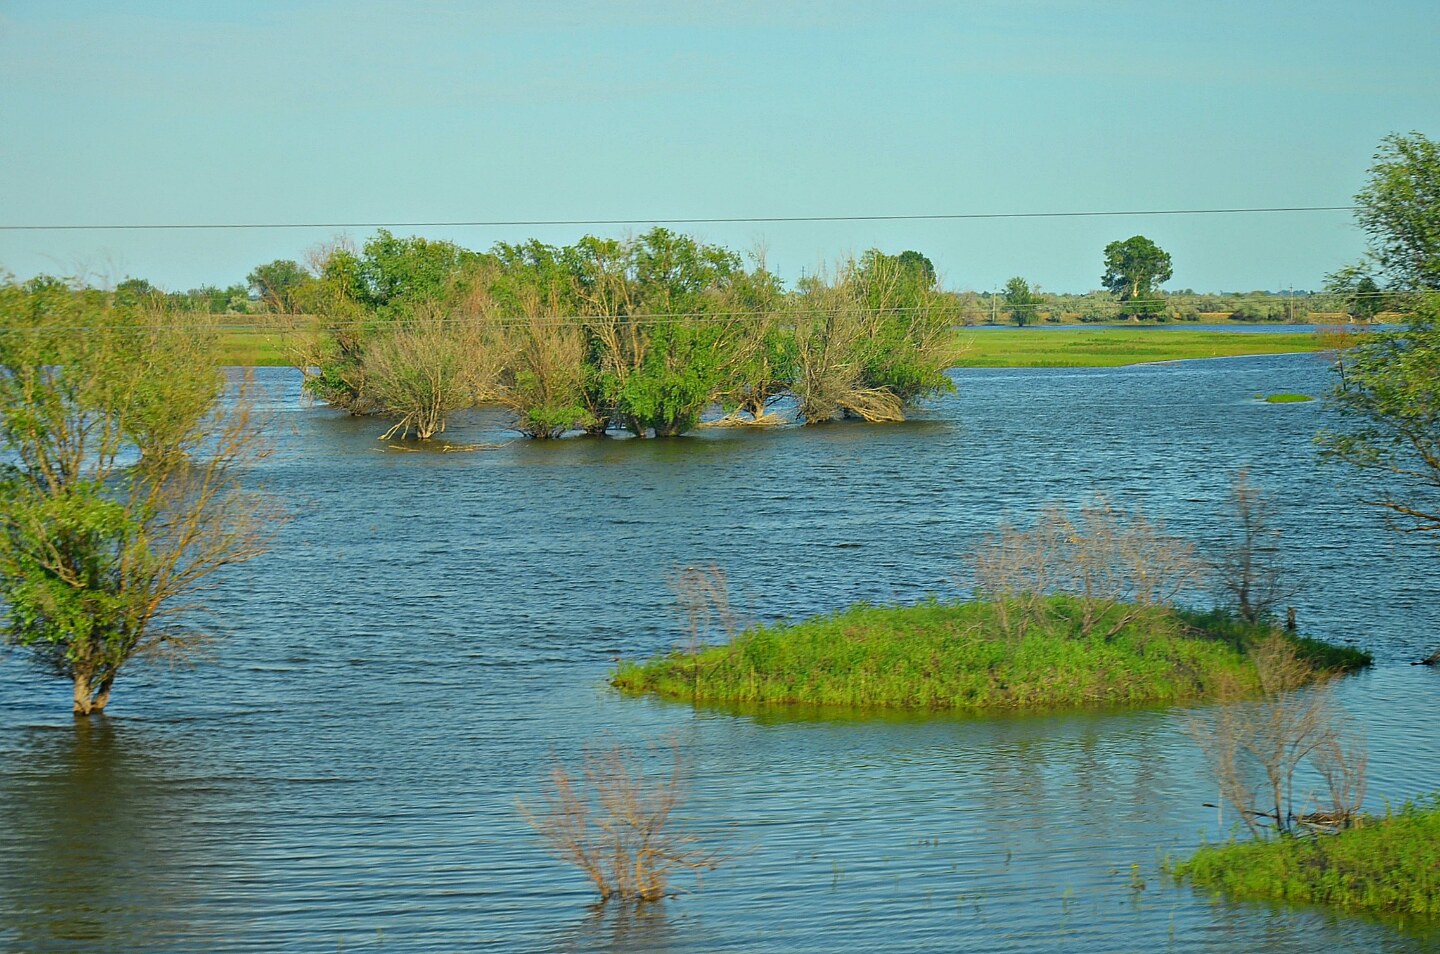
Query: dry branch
{"points": [[619, 824]]}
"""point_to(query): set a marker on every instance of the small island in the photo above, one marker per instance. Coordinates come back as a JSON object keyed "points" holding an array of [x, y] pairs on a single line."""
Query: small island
{"points": [[1390, 864], [968, 657]]}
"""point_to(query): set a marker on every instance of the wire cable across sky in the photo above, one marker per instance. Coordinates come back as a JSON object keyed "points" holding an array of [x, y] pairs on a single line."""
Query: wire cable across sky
{"points": [[713, 220]]}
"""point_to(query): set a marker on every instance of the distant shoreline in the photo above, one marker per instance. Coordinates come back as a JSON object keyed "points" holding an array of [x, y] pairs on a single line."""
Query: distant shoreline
{"points": [[1102, 346]]}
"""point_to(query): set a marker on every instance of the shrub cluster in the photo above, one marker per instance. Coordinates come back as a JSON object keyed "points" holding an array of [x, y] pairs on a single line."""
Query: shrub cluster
{"points": [[642, 335]]}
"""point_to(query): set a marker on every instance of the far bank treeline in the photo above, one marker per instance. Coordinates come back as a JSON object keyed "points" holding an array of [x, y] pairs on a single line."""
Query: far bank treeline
{"points": [[641, 335]]}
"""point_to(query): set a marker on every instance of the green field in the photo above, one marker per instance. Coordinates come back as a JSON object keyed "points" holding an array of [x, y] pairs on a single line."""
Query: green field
{"points": [[253, 348], [1101, 347], [1111, 347]]}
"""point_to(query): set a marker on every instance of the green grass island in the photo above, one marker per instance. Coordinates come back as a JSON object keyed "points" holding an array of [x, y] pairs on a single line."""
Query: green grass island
{"points": [[960, 657], [1389, 863]]}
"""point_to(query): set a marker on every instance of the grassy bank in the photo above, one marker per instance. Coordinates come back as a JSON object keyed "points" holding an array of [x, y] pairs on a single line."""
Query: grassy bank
{"points": [[956, 657], [1385, 864], [992, 348], [1113, 347]]}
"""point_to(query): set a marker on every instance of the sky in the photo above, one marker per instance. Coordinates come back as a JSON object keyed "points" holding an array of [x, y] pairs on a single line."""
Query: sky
{"points": [[319, 111]]}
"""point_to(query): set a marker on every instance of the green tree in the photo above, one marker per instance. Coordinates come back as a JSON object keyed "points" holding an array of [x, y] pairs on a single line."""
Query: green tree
{"points": [[906, 344], [119, 492], [1390, 397], [360, 298], [871, 341], [764, 364], [1134, 269], [1358, 291], [395, 272], [138, 291], [1399, 209], [920, 266], [666, 346], [1390, 405], [1020, 301], [1387, 393], [277, 283], [528, 310]]}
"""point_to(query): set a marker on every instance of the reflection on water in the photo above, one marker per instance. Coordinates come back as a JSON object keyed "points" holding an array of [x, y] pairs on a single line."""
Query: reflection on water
{"points": [[93, 840], [433, 628], [623, 929]]}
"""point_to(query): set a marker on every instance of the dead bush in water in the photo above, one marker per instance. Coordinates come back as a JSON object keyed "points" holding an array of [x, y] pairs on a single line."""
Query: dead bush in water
{"points": [[1256, 746], [1250, 569], [1117, 564], [702, 595], [619, 824]]}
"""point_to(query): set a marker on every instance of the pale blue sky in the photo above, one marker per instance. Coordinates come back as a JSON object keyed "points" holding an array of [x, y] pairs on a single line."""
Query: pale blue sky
{"points": [[313, 110]]}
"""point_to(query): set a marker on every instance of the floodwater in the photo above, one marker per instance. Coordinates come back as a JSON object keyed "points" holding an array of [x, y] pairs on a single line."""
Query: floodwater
{"points": [[433, 629]]}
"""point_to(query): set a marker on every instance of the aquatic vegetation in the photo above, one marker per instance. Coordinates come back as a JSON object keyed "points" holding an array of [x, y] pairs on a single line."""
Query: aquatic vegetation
{"points": [[1387, 864], [619, 823], [1287, 398], [1256, 745], [949, 656]]}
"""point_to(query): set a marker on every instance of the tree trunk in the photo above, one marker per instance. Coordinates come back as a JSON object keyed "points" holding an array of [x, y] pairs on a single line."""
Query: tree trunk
{"points": [[91, 697], [1434, 659]]}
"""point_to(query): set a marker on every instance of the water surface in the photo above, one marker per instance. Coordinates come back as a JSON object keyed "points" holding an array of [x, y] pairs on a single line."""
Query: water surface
{"points": [[433, 628]]}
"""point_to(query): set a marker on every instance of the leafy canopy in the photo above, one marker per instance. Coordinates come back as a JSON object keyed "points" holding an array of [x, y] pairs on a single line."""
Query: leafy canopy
{"points": [[1133, 270], [1399, 209]]}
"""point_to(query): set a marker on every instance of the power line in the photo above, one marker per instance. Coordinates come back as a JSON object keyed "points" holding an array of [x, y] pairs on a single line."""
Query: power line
{"points": [[715, 220]]}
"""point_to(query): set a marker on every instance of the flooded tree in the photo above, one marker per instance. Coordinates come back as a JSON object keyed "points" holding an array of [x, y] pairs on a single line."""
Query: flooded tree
{"points": [[619, 822], [645, 334], [1250, 567], [871, 341], [1257, 745], [424, 369], [120, 493]]}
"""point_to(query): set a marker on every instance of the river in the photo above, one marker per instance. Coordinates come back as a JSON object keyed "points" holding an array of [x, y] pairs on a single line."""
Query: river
{"points": [[432, 629]]}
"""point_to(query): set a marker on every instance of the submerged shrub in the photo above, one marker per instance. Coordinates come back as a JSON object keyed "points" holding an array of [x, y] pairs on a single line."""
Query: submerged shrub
{"points": [[619, 823]]}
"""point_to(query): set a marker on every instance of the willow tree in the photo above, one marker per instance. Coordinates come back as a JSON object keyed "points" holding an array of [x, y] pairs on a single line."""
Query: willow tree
{"points": [[827, 379], [360, 297], [761, 370], [1399, 209], [664, 338], [909, 332], [872, 341], [528, 314], [426, 367], [119, 491]]}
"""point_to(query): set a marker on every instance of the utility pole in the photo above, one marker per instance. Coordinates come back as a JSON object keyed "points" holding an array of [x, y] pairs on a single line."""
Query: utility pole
{"points": [[994, 320]]}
